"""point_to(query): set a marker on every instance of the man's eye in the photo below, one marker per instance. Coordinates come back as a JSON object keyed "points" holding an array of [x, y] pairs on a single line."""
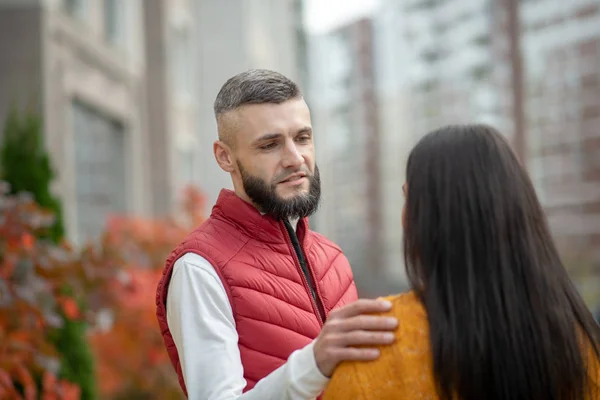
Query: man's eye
{"points": [[268, 146], [303, 139]]}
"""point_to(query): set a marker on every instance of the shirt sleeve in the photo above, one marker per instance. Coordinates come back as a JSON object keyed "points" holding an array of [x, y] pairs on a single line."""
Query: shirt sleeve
{"points": [[201, 322]]}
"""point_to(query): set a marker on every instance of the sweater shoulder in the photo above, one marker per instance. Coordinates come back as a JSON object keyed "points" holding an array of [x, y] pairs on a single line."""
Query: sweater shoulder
{"points": [[403, 370]]}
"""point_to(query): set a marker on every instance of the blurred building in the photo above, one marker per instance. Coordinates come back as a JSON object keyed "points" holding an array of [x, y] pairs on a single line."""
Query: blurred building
{"points": [[451, 64], [397, 135], [300, 44], [437, 64], [81, 63], [430, 63], [561, 51], [529, 68], [233, 36], [346, 115], [172, 98]]}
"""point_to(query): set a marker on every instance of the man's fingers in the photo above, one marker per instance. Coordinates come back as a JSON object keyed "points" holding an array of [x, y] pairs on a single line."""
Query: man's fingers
{"points": [[355, 354], [352, 333], [361, 306], [370, 323], [363, 323], [364, 338]]}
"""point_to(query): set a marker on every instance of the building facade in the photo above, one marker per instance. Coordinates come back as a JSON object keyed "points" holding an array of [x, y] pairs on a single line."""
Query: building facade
{"points": [[81, 63], [351, 152], [561, 52], [172, 99], [529, 68]]}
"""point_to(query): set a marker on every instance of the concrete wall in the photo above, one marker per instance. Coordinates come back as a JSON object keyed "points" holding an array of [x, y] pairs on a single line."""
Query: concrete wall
{"points": [[21, 55], [54, 59], [157, 100], [80, 65]]}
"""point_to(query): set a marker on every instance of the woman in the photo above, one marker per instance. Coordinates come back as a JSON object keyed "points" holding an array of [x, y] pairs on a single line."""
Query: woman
{"points": [[492, 313]]}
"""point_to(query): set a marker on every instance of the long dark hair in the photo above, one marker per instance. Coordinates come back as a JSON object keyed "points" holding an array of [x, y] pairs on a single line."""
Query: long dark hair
{"points": [[506, 322]]}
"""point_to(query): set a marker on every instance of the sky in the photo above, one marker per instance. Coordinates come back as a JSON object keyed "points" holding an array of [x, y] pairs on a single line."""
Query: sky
{"points": [[323, 15]]}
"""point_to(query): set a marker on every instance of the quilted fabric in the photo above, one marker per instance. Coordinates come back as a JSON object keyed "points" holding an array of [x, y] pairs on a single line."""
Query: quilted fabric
{"points": [[255, 259]]}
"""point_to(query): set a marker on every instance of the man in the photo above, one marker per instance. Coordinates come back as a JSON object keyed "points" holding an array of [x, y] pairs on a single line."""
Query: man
{"points": [[243, 298]]}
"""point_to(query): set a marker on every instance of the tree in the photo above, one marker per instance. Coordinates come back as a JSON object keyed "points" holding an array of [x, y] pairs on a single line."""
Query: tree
{"points": [[25, 166], [31, 274], [117, 274]]}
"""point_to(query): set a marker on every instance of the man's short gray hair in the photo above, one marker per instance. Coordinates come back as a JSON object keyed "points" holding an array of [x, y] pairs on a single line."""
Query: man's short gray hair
{"points": [[255, 86]]}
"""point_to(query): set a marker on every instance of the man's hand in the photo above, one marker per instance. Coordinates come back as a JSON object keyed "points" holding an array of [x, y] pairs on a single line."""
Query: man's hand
{"points": [[347, 327]]}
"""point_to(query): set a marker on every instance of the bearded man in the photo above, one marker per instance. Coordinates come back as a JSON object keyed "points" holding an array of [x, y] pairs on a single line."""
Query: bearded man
{"points": [[253, 304]]}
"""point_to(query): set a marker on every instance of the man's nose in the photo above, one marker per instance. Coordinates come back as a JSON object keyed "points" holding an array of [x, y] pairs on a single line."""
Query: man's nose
{"points": [[292, 157]]}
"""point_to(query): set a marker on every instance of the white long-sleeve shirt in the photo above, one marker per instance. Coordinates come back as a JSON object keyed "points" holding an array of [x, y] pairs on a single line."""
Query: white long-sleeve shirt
{"points": [[201, 321]]}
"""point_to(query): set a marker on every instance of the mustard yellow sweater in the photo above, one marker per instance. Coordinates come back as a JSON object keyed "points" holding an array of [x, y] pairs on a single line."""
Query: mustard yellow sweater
{"points": [[404, 371]]}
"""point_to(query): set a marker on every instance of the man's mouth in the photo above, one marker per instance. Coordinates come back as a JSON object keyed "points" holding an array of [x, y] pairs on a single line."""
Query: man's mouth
{"points": [[294, 179]]}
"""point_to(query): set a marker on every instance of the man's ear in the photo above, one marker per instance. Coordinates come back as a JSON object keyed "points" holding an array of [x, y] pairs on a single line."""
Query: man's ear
{"points": [[223, 156]]}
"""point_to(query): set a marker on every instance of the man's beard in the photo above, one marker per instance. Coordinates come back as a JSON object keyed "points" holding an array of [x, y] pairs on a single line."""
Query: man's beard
{"points": [[265, 197]]}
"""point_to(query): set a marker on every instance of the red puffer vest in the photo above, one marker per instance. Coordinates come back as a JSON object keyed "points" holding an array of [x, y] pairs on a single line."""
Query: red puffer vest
{"points": [[273, 309]]}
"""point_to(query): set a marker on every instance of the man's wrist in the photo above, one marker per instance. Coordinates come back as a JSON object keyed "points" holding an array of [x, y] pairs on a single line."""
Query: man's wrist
{"points": [[313, 360], [307, 378]]}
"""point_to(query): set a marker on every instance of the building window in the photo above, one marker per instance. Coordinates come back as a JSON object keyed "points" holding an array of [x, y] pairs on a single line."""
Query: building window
{"points": [[182, 62], [341, 131], [186, 166], [100, 170], [75, 8], [340, 62], [113, 20]]}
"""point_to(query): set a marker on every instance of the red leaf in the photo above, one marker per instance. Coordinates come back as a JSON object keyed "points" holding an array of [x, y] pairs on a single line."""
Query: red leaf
{"points": [[23, 376], [69, 307], [27, 241]]}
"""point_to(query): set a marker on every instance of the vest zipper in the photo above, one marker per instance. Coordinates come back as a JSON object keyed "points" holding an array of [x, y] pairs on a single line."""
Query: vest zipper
{"points": [[320, 308], [318, 311]]}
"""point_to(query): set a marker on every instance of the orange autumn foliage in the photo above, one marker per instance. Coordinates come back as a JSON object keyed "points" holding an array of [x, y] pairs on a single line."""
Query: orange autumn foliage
{"points": [[131, 360], [32, 275], [130, 356], [115, 276]]}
